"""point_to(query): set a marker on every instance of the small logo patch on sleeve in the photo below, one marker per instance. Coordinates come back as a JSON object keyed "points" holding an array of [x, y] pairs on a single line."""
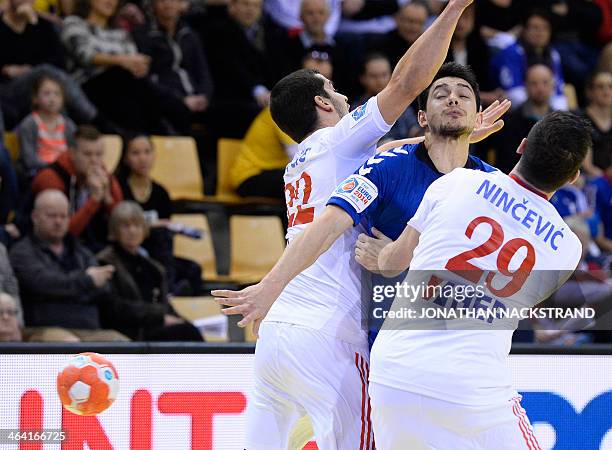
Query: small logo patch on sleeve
{"points": [[358, 114], [358, 191]]}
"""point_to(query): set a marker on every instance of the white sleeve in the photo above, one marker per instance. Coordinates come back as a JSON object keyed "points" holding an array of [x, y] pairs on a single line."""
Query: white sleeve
{"points": [[437, 191], [356, 133]]}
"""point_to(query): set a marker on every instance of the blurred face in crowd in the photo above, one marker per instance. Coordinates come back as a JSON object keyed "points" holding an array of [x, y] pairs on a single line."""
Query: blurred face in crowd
{"points": [[167, 10], [466, 23], [50, 216], [15, 5], [130, 235], [50, 97], [410, 21], [600, 92], [451, 108], [9, 326], [87, 155], [376, 75], [540, 84], [140, 156], [537, 32], [320, 62], [246, 12], [314, 15]]}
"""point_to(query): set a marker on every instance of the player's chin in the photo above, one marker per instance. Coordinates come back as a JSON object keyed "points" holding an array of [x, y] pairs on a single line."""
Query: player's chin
{"points": [[454, 129]]}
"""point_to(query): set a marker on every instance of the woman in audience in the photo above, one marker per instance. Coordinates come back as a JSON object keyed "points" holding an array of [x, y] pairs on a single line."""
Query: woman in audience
{"points": [[139, 305], [599, 113], [134, 175], [9, 323], [113, 74]]}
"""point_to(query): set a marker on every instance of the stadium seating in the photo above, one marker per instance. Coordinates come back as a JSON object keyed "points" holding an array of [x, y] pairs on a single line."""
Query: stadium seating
{"points": [[112, 151], [227, 151], [257, 242]]}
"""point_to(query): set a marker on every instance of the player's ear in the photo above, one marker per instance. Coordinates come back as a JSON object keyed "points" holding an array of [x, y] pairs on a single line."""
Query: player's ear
{"points": [[575, 177], [422, 118], [521, 148], [323, 103]]}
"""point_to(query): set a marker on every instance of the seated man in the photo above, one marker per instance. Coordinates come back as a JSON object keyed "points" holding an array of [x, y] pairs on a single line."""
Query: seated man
{"points": [[92, 192], [60, 280]]}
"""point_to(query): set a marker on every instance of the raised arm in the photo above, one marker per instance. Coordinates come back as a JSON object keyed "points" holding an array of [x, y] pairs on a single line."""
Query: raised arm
{"points": [[397, 255], [416, 69], [255, 301]]}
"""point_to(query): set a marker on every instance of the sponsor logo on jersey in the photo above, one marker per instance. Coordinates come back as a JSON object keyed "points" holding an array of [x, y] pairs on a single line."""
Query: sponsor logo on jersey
{"points": [[358, 191], [348, 186], [359, 113]]}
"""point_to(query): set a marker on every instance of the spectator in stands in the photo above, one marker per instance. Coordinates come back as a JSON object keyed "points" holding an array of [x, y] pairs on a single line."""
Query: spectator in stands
{"points": [[314, 15], [286, 14], [31, 47], [469, 48], [178, 64], [375, 75], [576, 23], [46, 133], [599, 113], [134, 175], [60, 281], [9, 196], [242, 67], [540, 86], [92, 191], [260, 165], [139, 303], [499, 21], [510, 65], [603, 207], [9, 323], [410, 20], [9, 283], [112, 73], [321, 61]]}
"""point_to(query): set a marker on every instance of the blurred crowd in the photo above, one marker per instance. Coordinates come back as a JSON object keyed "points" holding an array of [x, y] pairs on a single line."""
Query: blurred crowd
{"points": [[87, 254]]}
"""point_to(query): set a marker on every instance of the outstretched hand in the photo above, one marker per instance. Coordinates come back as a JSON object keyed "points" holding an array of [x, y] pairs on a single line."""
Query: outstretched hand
{"points": [[253, 303], [488, 121]]}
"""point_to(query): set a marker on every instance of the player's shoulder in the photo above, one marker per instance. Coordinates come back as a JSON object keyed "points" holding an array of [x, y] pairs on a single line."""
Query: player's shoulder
{"points": [[393, 159]]}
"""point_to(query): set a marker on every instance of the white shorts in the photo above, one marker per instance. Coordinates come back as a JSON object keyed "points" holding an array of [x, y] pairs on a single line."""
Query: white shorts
{"points": [[404, 420], [300, 371]]}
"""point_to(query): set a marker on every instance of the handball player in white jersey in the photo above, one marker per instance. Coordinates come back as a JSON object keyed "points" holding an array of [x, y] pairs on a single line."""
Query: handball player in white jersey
{"points": [[312, 355], [444, 383]]}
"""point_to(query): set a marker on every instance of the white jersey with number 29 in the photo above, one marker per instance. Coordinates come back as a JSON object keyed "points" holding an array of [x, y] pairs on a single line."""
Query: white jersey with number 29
{"points": [[326, 296], [487, 230]]}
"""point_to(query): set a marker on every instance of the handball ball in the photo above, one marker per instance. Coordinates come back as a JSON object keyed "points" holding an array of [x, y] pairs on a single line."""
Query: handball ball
{"points": [[88, 384]]}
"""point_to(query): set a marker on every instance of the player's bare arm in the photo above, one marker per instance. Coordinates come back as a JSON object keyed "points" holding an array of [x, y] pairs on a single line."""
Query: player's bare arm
{"points": [[255, 301], [488, 122], [397, 255], [417, 68]]}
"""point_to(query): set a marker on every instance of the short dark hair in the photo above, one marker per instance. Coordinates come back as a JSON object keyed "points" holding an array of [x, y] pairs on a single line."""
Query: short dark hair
{"points": [[87, 133], [555, 150], [452, 69], [292, 103], [38, 82], [537, 12]]}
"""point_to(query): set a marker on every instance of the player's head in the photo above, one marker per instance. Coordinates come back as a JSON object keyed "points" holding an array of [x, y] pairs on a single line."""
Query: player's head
{"points": [[449, 106], [304, 101], [554, 150]]}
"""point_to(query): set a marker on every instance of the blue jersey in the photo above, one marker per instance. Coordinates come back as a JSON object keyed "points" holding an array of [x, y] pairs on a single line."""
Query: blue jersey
{"points": [[385, 193]]}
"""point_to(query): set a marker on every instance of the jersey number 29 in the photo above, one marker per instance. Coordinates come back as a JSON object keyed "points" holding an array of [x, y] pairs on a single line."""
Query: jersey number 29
{"points": [[462, 266]]}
